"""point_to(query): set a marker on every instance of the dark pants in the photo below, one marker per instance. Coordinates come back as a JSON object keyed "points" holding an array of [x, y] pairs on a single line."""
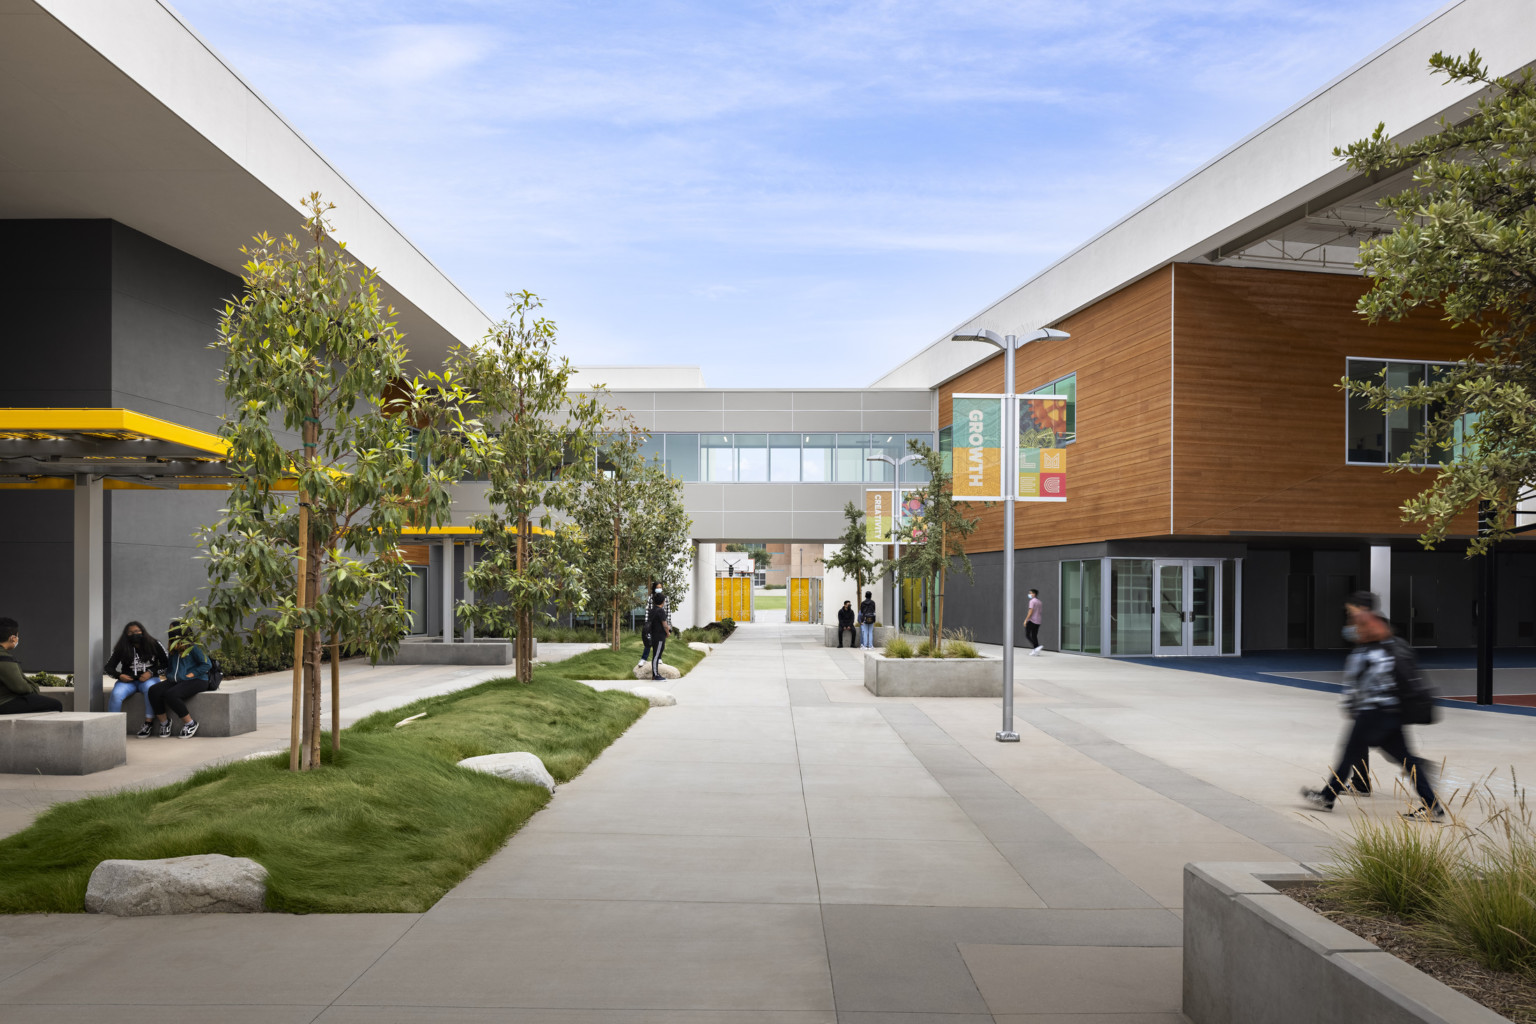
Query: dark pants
{"points": [[26, 703], [1032, 633], [1384, 731], [174, 695], [853, 636], [661, 645], [645, 655]]}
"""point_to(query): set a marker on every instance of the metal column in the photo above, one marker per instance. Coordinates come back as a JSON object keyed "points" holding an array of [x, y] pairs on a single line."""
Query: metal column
{"points": [[447, 577], [469, 595], [1487, 607], [1381, 577], [90, 592], [1010, 482]]}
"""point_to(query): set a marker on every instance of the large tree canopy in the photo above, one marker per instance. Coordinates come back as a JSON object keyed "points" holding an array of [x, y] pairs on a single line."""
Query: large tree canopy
{"points": [[1465, 245]]}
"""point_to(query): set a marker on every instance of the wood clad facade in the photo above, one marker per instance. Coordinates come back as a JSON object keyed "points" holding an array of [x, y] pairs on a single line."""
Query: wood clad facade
{"points": [[1207, 406], [1117, 471]]}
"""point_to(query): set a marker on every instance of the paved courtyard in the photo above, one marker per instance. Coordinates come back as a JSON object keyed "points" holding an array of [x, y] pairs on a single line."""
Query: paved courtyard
{"points": [[783, 847]]}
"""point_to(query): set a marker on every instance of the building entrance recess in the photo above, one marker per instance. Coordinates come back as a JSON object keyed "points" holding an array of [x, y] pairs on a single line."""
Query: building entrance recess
{"points": [[1189, 607]]}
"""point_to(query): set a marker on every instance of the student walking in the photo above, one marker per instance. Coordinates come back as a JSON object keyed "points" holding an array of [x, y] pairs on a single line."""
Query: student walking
{"points": [[137, 663], [18, 694], [1381, 677], [867, 620], [1032, 620], [645, 624], [845, 617], [658, 624], [186, 676]]}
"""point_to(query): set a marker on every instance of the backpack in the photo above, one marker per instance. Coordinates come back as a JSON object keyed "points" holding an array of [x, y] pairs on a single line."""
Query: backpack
{"points": [[1415, 695], [215, 673]]}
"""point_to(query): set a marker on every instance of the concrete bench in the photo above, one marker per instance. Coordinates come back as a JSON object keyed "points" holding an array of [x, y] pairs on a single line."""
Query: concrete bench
{"points": [[227, 711], [432, 651], [882, 634], [68, 743]]}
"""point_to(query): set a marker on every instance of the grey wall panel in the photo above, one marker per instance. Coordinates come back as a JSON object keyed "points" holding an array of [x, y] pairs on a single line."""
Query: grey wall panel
{"points": [[826, 527], [762, 400], [707, 526], [671, 421], [754, 526], [55, 288], [153, 554], [689, 400], [469, 500], [918, 401], [849, 421], [828, 401], [759, 420], [704, 497], [1264, 599], [759, 498], [908, 422], [639, 400], [826, 497], [37, 582]]}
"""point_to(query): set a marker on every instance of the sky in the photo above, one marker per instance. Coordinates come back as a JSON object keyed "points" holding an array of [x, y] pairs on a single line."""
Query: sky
{"points": [[784, 193]]}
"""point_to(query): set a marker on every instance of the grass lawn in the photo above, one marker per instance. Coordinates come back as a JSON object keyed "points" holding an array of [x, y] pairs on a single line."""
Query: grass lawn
{"points": [[389, 825], [770, 602]]}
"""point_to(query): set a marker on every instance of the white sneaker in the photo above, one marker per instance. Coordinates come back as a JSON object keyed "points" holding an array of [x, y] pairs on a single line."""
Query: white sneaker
{"points": [[1036, 652]]}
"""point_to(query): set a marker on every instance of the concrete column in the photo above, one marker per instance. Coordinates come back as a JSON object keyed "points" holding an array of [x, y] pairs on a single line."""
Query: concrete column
{"points": [[1381, 576], [469, 595], [90, 592], [447, 576], [704, 585]]}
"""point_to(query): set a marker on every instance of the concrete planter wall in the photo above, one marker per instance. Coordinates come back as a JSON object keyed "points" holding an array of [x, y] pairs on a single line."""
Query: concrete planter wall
{"points": [[432, 651], [1255, 956], [882, 634], [933, 677]]}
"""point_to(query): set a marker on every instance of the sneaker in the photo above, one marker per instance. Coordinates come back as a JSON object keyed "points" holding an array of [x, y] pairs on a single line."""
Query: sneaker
{"points": [[165, 728], [1035, 653], [190, 729], [1421, 813], [1317, 798], [147, 729]]}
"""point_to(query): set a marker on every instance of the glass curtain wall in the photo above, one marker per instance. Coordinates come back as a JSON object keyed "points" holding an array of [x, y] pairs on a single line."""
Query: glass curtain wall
{"points": [[1130, 606], [816, 457], [1082, 606], [783, 458]]}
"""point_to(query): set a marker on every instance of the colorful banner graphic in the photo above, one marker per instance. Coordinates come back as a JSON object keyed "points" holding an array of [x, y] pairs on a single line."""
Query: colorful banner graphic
{"points": [[877, 516], [1042, 460], [977, 442]]}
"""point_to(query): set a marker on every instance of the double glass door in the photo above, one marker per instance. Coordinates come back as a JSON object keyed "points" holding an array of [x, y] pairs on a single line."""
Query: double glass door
{"points": [[1188, 595]]}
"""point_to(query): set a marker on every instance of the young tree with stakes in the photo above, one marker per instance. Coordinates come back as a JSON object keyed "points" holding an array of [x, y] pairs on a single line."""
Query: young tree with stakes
{"points": [[315, 375], [539, 451], [931, 543]]}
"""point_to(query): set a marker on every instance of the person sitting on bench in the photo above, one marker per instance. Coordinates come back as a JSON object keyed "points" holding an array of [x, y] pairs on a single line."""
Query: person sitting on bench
{"points": [[18, 694], [136, 664], [186, 676]]}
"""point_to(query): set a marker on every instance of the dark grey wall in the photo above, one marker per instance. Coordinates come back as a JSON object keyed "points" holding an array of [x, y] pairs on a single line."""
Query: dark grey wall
{"points": [[56, 290], [37, 583]]}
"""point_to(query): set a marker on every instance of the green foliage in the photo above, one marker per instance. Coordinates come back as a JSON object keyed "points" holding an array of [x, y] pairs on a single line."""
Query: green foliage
{"points": [[934, 542], [725, 627], [900, 647], [928, 649], [1465, 245], [537, 454], [388, 825], [1491, 911], [700, 635], [960, 647], [1393, 865], [49, 679], [855, 559]]}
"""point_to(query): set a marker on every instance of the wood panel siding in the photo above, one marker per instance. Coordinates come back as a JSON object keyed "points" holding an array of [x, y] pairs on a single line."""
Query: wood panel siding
{"points": [[1117, 470], [1259, 431]]}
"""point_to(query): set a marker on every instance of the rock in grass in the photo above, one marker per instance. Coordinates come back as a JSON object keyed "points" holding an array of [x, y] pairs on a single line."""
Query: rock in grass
{"points": [[701, 648], [657, 698], [519, 766], [643, 671], [208, 883]]}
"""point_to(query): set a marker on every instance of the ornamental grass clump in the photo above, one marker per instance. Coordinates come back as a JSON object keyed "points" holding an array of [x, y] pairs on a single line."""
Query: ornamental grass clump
{"points": [[958, 644], [1393, 866], [898, 647]]}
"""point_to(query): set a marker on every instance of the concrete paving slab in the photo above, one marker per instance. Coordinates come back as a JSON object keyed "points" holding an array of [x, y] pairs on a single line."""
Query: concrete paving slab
{"points": [[879, 817], [915, 873], [166, 1011], [1076, 979], [689, 812], [545, 1015]]}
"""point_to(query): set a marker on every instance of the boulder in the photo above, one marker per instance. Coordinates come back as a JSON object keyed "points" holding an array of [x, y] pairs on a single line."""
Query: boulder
{"points": [[519, 766], [658, 698], [701, 648], [643, 671], [208, 883]]}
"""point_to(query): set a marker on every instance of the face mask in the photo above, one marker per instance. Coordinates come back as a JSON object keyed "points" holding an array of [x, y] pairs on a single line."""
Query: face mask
{"points": [[1351, 636]]}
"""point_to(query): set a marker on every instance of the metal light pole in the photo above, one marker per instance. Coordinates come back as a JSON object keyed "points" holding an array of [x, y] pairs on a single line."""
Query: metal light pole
{"points": [[895, 515], [1010, 487]]}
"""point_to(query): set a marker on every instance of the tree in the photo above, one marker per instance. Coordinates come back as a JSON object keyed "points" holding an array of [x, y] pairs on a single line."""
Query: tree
{"points": [[321, 440], [538, 451], [1465, 245], [855, 558], [634, 529], [932, 543]]}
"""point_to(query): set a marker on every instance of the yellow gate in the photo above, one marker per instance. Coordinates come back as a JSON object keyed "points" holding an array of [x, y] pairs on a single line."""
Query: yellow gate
{"points": [[733, 598], [800, 599]]}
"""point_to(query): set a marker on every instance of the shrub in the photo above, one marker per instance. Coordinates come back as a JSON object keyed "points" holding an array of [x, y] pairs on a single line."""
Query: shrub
{"points": [[960, 649], [1490, 910], [1393, 866], [927, 649], [898, 647], [725, 627], [696, 634], [49, 679]]}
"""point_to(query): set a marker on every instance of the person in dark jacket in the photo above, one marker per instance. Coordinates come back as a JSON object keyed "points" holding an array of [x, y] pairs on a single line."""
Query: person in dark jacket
{"points": [[645, 628], [656, 624], [867, 620], [1371, 679], [18, 694], [138, 662], [186, 675], [845, 617]]}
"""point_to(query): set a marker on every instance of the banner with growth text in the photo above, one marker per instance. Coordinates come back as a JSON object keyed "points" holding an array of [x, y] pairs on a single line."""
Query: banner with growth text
{"points": [[877, 516], [977, 441]]}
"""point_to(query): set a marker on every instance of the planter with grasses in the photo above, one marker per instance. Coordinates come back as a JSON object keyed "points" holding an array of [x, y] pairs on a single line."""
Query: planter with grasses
{"points": [[954, 669]]}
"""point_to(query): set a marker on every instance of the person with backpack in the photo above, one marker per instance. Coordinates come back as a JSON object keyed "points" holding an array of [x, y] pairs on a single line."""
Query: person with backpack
{"points": [[188, 673], [138, 662], [1383, 691], [657, 624], [867, 620], [645, 624]]}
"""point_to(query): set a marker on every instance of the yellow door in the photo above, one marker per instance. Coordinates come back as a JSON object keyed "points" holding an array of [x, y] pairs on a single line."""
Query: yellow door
{"points": [[799, 607]]}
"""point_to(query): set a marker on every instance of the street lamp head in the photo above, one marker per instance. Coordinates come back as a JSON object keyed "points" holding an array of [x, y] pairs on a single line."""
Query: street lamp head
{"points": [[880, 458], [989, 337], [1044, 334]]}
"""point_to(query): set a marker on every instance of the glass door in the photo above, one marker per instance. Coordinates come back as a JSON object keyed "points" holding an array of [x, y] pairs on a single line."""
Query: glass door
{"points": [[1169, 587], [1188, 607]]}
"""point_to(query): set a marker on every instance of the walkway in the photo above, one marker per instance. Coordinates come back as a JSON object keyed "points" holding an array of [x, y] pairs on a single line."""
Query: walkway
{"points": [[782, 847]]}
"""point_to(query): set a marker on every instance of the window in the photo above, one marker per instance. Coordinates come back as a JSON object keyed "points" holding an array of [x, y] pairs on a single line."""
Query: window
{"points": [[717, 453], [816, 457], [752, 457], [1373, 437], [784, 457], [651, 448], [1080, 606], [915, 471], [760, 578], [947, 448], [1065, 387], [850, 458], [1130, 607], [683, 456]]}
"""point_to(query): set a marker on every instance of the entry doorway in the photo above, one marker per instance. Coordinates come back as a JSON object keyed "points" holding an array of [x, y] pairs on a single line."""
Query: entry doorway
{"points": [[1188, 592]]}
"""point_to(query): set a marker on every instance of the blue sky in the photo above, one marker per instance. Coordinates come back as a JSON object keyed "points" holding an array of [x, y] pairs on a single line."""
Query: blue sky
{"points": [[785, 193]]}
